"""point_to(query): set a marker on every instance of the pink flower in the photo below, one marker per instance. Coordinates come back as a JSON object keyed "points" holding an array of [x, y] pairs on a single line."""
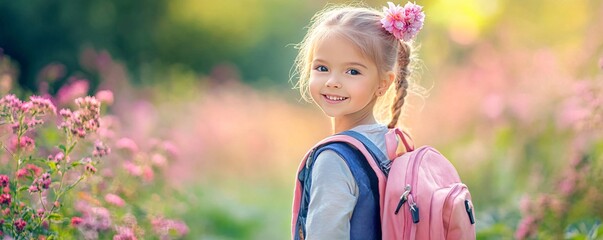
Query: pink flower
{"points": [[66, 113], [76, 88], [5, 199], [25, 144], [10, 103], [403, 22], [147, 174], [124, 233], [76, 221], [57, 158], [158, 160], [44, 181], [83, 121], [33, 188], [30, 168], [100, 149], [171, 149], [105, 96], [20, 225], [132, 168], [127, 144], [90, 168], [526, 228], [41, 105], [95, 218], [4, 181], [21, 173], [164, 227], [115, 200], [34, 122], [41, 212]]}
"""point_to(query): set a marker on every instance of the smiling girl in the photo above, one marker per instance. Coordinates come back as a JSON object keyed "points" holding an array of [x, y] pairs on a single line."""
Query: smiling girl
{"points": [[352, 62]]}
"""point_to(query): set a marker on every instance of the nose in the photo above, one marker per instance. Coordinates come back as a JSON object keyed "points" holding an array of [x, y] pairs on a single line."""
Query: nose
{"points": [[332, 82]]}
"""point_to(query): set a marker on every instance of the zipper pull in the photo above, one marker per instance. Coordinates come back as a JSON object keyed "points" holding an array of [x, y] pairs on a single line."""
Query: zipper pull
{"points": [[469, 208], [403, 198], [414, 211]]}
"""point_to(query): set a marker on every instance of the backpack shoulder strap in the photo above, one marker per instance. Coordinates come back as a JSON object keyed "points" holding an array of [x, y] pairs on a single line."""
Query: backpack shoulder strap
{"points": [[375, 152], [382, 179]]}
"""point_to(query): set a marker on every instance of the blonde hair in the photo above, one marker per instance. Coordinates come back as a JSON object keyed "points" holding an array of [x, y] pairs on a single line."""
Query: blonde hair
{"points": [[362, 26]]}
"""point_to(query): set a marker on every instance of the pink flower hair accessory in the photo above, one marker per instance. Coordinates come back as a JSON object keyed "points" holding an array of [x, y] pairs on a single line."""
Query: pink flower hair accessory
{"points": [[403, 22]]}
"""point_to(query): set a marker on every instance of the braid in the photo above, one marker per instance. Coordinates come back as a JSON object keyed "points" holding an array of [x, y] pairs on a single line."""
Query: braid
{"points": [[401, 82]]}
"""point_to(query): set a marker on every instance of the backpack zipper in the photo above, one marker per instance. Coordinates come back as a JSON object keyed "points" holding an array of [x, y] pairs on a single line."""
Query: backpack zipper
{"points": [[403, 198]]}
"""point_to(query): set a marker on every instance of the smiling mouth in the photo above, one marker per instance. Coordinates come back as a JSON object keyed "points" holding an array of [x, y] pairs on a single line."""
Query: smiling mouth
{"points": [[334, 99]]}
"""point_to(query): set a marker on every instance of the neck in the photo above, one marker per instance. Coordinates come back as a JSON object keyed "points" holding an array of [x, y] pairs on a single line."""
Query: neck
{"points": [[340, 124]]}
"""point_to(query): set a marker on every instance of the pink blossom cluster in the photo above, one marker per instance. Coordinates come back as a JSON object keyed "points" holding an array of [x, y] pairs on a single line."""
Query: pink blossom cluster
{"points": [[36, 105], [93, 220], [58, 158], [100, 149], [145, 171], [163, 227], [84, 120], [4, 181], [534, 210], [403, 22], [90, 168], [10, 103], [29, 170], [12, 109], [115, 200], [41, 183], [583, 109], [125, 233], [5, 199], [23, 143], [20, 225], [40, 105], [127, 145], [74, 89]]}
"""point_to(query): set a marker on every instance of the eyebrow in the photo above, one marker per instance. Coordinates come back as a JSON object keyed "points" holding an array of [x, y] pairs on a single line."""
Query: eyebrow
{"points": [[347, 63]]}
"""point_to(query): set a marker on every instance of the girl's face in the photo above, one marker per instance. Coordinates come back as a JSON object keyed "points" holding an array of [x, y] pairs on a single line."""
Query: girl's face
{"points": [[343, 83]]}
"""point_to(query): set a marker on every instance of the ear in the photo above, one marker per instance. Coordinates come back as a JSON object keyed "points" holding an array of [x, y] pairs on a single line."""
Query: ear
{"points": [[386, 82]]}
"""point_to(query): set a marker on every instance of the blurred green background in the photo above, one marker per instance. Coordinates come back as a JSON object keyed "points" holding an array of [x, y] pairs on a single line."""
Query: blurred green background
{"points": [[515, 101]]}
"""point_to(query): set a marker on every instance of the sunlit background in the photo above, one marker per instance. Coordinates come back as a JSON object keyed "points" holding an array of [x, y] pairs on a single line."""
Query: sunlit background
{"points": [[515, 102]]}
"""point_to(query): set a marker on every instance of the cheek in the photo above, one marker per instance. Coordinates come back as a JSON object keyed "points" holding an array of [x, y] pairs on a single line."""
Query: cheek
{"points": [[315, 86]]}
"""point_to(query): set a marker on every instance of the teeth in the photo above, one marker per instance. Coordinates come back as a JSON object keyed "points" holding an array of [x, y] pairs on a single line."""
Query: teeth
{"points": [[335, 98]]}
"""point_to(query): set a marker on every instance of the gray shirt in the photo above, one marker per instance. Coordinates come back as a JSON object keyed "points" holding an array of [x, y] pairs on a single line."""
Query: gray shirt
{"points": [[334, 192]]}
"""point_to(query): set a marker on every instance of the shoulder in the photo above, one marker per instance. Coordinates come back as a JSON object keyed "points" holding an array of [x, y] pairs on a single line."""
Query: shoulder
{"points": [[331, 161]]}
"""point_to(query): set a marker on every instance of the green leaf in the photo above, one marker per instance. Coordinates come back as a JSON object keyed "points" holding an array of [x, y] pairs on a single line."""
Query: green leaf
{"points": [[55, 217], [62, 147], [76, 163], [52, 165], [22, 188], [71, 147]]}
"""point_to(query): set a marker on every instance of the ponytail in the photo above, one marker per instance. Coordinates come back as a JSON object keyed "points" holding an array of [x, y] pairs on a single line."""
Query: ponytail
{"points": [[401, 82]]}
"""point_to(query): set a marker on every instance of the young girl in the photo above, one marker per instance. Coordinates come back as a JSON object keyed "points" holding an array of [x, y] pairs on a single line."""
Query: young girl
{"points": [[353, 61]]}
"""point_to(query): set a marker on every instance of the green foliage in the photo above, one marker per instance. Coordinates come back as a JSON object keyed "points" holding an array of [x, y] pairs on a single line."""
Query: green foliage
{"points": [[152, 37]]}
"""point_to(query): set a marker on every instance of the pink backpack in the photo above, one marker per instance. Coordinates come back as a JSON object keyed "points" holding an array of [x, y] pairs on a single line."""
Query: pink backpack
{"points": [[422, 197]]}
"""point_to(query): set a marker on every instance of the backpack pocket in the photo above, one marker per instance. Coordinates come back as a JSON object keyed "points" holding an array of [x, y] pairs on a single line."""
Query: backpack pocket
{"points": [[452, 214]]}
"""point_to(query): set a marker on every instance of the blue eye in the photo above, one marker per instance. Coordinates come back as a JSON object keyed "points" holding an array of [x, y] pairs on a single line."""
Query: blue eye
{"points": [[353, 72], [321, 68]]}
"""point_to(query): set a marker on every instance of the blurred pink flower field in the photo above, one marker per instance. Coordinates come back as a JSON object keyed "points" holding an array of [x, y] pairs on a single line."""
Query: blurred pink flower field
{"points": [[211, 157]]}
